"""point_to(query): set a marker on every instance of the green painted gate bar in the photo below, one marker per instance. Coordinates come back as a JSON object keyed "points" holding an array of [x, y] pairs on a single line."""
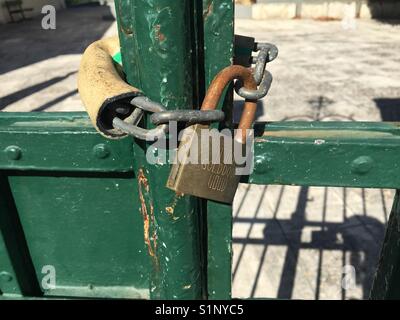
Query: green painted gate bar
{"points": [[34, 189], [218, 30], [348, 154], [189, 40], [157, 41], [68, 200]]}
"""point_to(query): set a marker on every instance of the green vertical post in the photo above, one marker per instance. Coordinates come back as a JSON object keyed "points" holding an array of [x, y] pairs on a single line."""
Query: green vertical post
{"points": [[156, 46], [218, 53]]}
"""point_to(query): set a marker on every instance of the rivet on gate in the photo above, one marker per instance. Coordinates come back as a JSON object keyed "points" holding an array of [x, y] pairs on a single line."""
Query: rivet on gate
{"points": [[362, 164], [259, 163], [13, 152], [5, 276], [101, 151]]}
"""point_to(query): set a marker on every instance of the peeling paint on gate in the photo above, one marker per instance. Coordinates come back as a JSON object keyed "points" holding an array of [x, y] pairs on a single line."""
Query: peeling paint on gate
{"points": [[159, 35], [171, 208], [208, 11], [160, 58], [149, 224]]}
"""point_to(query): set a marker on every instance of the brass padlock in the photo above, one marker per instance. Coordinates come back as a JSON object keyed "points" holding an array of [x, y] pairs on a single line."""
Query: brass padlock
{"points": [[214, 181]]}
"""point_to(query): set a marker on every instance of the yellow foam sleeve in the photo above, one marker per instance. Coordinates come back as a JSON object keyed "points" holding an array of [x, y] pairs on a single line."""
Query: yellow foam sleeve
{"points": [[102, 87]]}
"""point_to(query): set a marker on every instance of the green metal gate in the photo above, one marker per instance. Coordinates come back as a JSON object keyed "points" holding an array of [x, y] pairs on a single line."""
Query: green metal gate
{"points": [[98, 213]]}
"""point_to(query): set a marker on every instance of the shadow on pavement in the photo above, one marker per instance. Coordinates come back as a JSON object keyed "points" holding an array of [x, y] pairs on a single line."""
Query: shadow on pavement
{"points": [[26, 42], [359, 238], [18, 95], [53, 102], [389, 108], [385, 11]]}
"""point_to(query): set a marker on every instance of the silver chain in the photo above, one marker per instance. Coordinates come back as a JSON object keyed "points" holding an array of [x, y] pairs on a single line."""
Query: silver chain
{"points": [[160, 117]]}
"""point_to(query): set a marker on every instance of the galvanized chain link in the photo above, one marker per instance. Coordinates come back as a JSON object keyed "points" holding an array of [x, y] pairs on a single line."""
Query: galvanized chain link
{"points": [[160, 118], [266, 53], [129, 125], [188, 116]]}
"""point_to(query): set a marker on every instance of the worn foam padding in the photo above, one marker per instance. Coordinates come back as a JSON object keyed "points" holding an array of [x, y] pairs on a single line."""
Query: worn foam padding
{"points": [[101, 87]]}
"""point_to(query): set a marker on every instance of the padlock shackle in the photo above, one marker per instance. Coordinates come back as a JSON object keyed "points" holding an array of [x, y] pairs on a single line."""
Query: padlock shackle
{"points": [[217, 86]]}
